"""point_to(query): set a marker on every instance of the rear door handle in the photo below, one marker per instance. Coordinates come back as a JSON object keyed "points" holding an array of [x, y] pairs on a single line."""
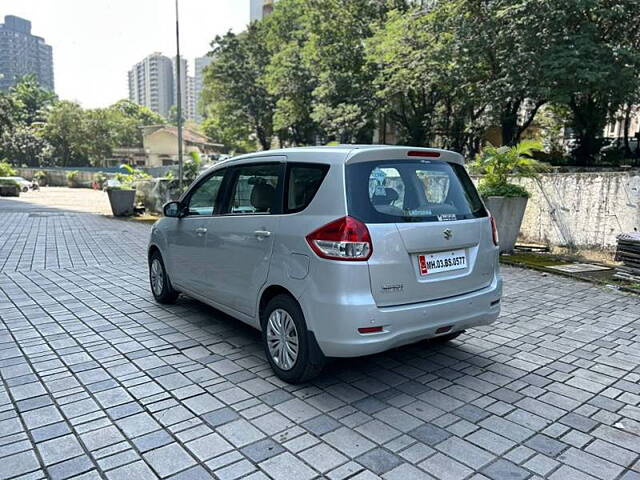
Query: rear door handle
{"points": [[201, 231], [262, 233]]}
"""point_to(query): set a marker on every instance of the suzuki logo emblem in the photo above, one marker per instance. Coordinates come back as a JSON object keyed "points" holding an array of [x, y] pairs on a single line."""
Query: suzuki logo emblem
{"points": [[447, 234]]}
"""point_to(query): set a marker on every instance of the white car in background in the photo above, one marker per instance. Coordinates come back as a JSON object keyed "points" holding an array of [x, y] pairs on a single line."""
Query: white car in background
{"points": [[24, 183]]}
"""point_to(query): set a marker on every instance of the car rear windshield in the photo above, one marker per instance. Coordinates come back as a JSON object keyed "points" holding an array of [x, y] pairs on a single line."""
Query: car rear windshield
{"points": [[396, 191]]}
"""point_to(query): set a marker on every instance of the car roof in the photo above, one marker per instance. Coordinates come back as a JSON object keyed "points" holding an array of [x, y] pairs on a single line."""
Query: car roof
{"points": [[341, 154]]}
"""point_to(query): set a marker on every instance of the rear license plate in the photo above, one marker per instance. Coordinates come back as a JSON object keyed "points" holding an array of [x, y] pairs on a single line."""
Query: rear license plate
{"points": [[442, 262]]}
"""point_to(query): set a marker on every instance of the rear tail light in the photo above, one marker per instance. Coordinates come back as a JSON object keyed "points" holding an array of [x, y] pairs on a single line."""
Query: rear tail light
{"points": [[342, 239], [494, 230]]}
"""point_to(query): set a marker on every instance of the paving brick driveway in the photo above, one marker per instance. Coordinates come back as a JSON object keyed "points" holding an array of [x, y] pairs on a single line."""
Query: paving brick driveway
{"points": [[100, 382]]}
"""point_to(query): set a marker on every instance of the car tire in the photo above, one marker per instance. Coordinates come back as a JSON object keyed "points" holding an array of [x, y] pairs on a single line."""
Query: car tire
{"points": [[447, 338], [159, 282], [283, 314], [25, 189]]}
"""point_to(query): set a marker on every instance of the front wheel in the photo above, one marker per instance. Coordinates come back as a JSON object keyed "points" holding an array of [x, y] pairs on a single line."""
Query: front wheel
{"points": [[161, 287], [286, 341]]}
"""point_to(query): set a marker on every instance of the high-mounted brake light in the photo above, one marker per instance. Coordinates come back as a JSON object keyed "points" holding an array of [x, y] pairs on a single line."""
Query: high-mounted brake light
{"points": [[422, 153], [494, 230], [343, 239]]}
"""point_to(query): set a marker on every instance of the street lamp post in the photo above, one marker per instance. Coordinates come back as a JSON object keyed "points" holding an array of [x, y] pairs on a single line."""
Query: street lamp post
{"points": [[179, 99]]}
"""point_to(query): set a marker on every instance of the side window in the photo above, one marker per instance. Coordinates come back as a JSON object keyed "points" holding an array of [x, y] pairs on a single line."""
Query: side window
{"points": [[256, 189], [202, 201], [304, 180], [386, 191]]}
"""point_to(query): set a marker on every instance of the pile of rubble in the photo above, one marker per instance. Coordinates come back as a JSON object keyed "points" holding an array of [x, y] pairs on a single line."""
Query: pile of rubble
{"points": [[628, 252]]}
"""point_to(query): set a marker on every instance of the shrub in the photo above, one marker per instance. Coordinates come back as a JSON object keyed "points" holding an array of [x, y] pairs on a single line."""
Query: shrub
{"points": [[498, 164], [41, 177], [6, 170], [72, 178], [99, 179], [129, 179]]}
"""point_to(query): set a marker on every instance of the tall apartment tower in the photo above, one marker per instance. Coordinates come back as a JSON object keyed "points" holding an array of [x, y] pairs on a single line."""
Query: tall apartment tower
{"points": [[151, 83], [201, 64], [258, 9], [190, 110], [22, 53]]}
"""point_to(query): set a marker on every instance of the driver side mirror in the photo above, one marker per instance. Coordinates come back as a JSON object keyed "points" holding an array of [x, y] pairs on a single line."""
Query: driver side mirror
{"points": [[173, 209]]}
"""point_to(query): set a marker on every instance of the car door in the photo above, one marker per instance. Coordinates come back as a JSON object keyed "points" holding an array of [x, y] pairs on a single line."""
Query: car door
{"points": [[240, 241], [187, 242]]}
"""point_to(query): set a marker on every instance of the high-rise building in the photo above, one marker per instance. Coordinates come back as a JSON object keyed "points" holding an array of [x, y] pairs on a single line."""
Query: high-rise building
{"points": [[186, 88], [201, 64], [259, 9], [190, 104], [22, 53], [151, 83]]}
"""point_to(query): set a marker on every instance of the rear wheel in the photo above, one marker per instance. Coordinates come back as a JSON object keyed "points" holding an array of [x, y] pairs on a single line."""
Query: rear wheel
{"points": [[286, 341], [447, 338], [159, 281]]}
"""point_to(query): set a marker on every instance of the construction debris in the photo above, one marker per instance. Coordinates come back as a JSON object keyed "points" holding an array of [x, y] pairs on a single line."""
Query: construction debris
{"points": [[628, 252]]}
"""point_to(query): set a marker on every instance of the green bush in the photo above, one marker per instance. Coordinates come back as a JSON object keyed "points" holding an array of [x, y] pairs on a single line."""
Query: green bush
{"points": [[72, 178], [6, 170], [498, 164], [502, 190], [41, 177], [100, 179]]}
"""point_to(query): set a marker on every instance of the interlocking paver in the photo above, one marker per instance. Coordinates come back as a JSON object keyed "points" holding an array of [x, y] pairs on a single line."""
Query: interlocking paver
{"points": [[100, 381]]}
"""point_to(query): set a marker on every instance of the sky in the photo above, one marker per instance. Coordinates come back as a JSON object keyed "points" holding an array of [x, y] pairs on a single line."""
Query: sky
{"points": [[95, 42]]}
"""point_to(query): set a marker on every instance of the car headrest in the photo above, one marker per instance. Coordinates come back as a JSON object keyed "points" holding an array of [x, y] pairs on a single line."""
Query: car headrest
{"points": [[390, 196], [262, 197]]}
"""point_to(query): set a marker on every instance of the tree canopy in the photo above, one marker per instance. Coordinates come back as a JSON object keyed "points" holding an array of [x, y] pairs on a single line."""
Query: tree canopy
{"points": [[448, 73]]}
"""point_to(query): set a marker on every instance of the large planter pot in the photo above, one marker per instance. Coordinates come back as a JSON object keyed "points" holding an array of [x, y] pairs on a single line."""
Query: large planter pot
{"points": [[122, 202], [9, 191], [508, 213]]}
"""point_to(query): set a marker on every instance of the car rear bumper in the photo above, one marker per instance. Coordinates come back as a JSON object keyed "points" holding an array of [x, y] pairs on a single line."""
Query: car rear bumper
{"points": [[335, 325]]}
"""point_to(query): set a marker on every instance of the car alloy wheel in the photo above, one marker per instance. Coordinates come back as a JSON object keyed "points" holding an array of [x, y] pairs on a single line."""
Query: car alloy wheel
{"points": [[282, 339], [157, 277]]}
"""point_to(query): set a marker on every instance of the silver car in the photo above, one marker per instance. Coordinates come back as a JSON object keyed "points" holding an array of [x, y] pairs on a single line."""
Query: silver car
{"points": [[333, 251]]}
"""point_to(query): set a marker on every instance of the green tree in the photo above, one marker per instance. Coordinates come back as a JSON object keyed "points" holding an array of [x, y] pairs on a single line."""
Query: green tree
{"points": [[31, 100], [132, 117], [64, 129], [235, 95], [24, 146], [498, 52], [287, 77], [344, 101], [593, 63]]}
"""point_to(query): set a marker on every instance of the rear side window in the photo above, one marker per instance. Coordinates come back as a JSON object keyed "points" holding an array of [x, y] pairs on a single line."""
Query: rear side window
{"points": [[256, 189], [411, 191], [303, 182]]}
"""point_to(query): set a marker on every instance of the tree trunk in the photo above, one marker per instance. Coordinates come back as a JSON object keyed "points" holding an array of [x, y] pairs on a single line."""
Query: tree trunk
{"points": [[627, 126], [589, 120]]}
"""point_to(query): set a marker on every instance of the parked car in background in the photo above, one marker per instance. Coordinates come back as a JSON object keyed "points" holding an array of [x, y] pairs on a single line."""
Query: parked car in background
{"points": [[22, 182], [333, 251]]}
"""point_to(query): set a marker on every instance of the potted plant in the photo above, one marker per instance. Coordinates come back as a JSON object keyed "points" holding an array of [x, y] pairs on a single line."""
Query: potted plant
{"points": [[41, 178], [507, 201], [122, 199], [72, 179], [123, 196], [9, 188]]}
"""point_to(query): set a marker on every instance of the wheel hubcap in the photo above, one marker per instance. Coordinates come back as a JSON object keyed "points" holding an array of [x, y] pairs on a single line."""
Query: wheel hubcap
{"points": [[282, 339], [157, 277]]}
